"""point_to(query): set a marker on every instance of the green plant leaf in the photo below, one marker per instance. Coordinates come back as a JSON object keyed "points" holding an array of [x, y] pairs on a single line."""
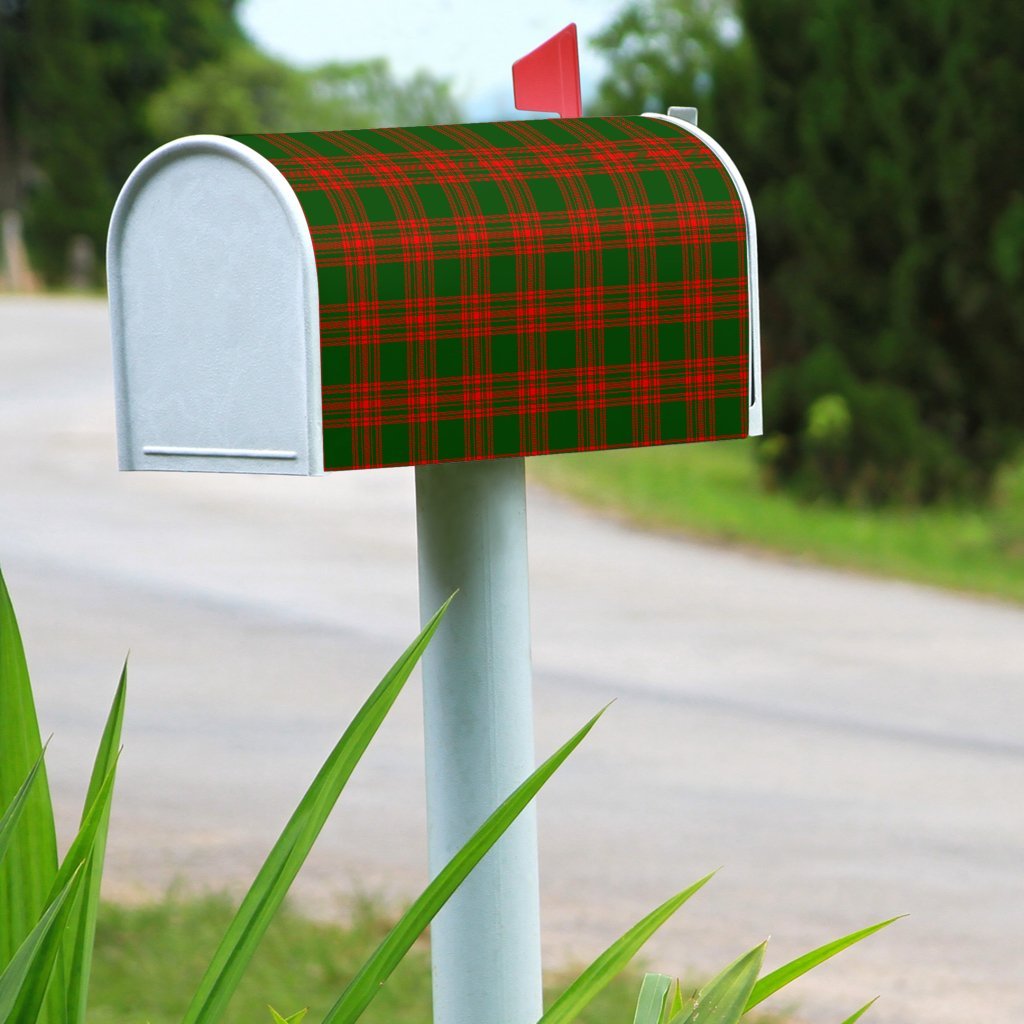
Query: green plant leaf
{"points": [[28, 870], [372, 975], [651, 1003], [853, 1018], [17, 805], [282, 864], [25, 979], [594, 978], [723, 1000], [675, 1006], [295, 1018], [82, 929], [782, 976], [73, 865], [84, 843]]}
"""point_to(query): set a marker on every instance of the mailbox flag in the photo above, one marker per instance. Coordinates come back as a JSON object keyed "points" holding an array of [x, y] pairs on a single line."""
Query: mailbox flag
{"points": [[548, 78]]}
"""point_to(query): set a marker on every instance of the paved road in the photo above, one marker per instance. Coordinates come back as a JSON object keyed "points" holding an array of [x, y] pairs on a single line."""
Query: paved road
{"points": [[846, 748]]}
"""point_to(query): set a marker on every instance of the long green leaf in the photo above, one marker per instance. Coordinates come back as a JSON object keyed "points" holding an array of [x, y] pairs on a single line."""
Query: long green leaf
{"points": [[84, 843], [28, 870], [24, 980], [569, 1004], [79, 853], [372, 975], [651, 1003], [779, 978], [853, 1018], [81, 935], [723, 1000], [282, 864], [17, 805]]}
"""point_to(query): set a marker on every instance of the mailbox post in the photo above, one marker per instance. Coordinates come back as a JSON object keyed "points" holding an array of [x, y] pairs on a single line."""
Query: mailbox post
{"points": [[478, 722], [454, 298]]}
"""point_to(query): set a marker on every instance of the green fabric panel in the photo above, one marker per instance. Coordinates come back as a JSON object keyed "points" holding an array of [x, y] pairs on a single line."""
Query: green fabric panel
{"points": [[522, 287]]}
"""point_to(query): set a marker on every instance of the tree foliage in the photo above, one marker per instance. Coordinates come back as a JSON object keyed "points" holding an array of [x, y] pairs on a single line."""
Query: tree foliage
{"points": [[880, 141], [88, 87], [249, 91], [76, 78]]}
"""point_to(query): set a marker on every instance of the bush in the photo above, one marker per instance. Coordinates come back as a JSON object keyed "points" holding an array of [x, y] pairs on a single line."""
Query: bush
{"points": [[839, 437], [1008, 508]]}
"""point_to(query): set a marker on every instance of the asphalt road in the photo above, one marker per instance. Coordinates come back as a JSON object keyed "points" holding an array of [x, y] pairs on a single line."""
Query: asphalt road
{"points": [[846, 748]]}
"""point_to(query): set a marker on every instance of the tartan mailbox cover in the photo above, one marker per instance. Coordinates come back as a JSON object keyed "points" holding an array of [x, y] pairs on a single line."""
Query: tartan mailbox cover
{"points": [[340, 300]]}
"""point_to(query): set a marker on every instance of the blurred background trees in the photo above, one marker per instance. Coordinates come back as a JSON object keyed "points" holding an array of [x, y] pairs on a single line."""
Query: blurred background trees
{"points": [[88, 87], [247, 87], [881, 142], [74, 86]]}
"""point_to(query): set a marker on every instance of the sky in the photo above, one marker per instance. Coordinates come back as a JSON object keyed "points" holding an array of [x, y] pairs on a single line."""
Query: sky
{"points": [[471, 42]]}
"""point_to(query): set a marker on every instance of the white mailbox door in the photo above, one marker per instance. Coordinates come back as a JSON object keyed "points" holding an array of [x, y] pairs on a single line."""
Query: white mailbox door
{"points": [[215, 315]]}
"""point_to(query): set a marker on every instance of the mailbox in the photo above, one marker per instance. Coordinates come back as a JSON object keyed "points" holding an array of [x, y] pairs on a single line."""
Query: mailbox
{"points": [[295, 303], [301, 302]]}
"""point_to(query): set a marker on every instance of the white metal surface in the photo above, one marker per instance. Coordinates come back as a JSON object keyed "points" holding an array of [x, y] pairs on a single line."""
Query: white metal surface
{"points": [[756, 413], [214, 315], [688, 114], [478, 721]]}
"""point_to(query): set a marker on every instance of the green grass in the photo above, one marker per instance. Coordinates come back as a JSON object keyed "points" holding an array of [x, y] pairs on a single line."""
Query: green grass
{"points": [[712, 491], [149, 959]]}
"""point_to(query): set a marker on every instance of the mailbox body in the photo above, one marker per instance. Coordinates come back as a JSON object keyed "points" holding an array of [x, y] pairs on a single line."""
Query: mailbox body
{"points": [[295, 303]]}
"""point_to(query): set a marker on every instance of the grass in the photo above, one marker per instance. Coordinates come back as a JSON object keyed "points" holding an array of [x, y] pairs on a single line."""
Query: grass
{"points": [[149, 958], [712, 491]]}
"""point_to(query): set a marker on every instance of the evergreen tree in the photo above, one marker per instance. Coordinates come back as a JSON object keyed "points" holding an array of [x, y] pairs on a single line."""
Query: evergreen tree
{"points": [[75, 80], [88, 87], [64, 132], [881, 143]]}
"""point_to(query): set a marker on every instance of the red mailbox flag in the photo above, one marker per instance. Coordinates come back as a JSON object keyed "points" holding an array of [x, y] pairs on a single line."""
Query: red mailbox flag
{"points": [[548, 78]]}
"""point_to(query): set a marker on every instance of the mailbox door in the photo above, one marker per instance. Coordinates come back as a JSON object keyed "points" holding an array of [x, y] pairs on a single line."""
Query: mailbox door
{"points": [[215, 317]]}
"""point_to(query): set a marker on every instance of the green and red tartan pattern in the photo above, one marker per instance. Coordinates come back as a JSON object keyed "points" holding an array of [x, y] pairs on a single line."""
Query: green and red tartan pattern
{"points": [[521, 288]]}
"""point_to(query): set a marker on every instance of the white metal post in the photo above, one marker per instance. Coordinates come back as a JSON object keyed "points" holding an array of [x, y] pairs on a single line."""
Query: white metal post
{"points": [[478, 712]]}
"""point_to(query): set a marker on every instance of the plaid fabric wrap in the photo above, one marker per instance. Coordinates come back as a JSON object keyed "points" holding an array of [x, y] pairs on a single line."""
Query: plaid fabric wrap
{"points": [[521, 288]]}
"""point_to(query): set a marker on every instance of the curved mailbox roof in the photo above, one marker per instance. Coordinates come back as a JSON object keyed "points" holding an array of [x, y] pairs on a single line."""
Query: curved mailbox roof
{"points": [[488, 290]]}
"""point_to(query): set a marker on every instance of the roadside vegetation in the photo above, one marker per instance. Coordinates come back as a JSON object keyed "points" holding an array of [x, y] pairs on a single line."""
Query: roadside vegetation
{"points": [[52, 947], [88, 89], [715, 492], [152, 956], [890, 224]]}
